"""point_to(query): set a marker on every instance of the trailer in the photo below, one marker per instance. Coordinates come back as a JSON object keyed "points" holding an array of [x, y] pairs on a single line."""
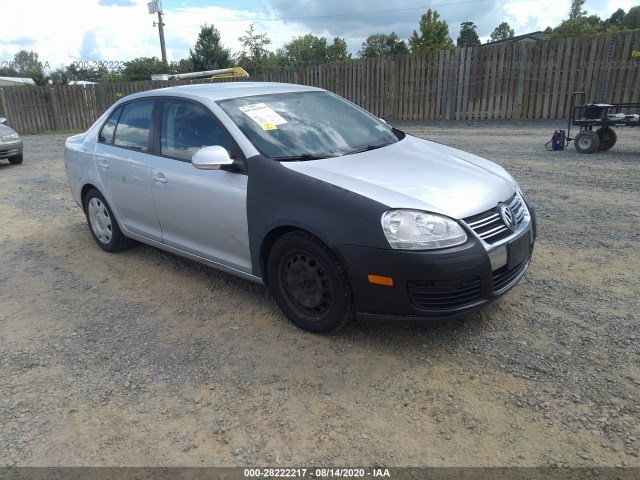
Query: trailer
{"points": [[604, 117]]}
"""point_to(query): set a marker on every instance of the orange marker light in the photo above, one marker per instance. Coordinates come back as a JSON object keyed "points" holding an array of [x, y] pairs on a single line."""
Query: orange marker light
{"points": [[378, 280]]}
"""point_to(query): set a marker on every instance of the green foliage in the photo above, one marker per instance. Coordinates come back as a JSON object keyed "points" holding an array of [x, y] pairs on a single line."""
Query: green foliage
{"points": [[382, 44], [311, 50], [208, 53], [142, 68], [576, 12], [434, 34], [616, 19], [468, 35], [631, 20], [502, 32], [254, 57], [26, 64]]}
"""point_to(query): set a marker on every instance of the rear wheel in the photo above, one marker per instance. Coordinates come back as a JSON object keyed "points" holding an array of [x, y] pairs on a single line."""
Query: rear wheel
{"points": [[309, 283], [102, 223], [607, 137], [586, 141], [15, 160]]}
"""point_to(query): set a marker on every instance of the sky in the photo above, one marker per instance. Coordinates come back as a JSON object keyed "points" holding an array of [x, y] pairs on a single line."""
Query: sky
{"points": [[120, 30]]}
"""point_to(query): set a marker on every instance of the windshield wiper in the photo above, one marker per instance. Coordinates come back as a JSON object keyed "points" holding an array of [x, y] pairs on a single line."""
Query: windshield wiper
{"points": [[367, 148], [302, 157]]}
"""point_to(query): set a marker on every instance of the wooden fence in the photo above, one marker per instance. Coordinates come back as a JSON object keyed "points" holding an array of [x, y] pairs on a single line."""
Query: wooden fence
{"points": [[503, 81]]}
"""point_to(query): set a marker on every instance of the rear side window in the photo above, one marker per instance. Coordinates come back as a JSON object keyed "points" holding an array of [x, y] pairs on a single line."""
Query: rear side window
{"points": [[187, 127], [109, 128], [132, 129]]}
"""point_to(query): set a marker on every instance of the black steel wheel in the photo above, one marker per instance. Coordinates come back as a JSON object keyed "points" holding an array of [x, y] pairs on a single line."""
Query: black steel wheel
{"points": [[309, 283], [608, 138], [103, 225], [586, 141]]}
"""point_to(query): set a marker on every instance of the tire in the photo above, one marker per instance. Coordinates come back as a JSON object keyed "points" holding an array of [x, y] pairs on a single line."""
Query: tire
{"points": [[309, 283], [607, 137], [16, 160], [103, 225], [586, 141]]}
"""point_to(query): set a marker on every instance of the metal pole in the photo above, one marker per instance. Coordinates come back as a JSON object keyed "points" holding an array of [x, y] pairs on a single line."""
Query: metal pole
{"points": [[161, 30]]}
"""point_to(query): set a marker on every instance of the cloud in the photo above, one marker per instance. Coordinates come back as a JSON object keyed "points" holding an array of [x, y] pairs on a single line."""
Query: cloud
{"points": [[121, 30], [89, 47], [117, 3]]}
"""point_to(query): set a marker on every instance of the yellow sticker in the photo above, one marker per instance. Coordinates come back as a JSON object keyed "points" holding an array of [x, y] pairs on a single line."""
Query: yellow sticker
{"points": [[268, 126]]}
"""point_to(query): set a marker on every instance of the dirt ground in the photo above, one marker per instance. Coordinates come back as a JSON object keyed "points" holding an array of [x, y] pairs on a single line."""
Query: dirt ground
{"points": [[144, 359]]}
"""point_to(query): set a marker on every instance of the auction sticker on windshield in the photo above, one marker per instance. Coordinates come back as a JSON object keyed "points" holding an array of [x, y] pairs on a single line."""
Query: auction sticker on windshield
{"points": [[263, 115]]}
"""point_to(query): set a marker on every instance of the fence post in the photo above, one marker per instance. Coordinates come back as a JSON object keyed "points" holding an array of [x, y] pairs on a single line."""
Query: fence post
{"points": [[54, 109], [521, 79], [7, 111], [392, 99], [3, 103]]}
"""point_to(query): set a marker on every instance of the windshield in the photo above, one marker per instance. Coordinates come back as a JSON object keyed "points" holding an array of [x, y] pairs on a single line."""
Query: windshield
{"points": [[306, 125]]}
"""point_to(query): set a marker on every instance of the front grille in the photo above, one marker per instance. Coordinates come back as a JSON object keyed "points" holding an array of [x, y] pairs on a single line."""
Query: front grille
{"points": [[489, 225], [445, 294], [503, 277]]}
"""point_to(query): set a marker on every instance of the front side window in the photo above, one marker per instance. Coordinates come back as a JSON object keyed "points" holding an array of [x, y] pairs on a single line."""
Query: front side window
{"points": [[187, 127], [306, 125], [132, 130]]}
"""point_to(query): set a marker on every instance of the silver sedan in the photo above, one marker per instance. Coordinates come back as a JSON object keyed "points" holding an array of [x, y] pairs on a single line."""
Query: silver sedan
{"points": [[340, 214]]}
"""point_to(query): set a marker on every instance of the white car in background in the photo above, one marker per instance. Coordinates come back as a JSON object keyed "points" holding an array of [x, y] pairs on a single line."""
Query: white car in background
{"points": [[11, 146]]}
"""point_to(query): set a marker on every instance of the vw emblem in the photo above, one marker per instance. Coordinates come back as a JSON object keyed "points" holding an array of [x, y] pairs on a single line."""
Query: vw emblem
{"points": [[508, 217]]}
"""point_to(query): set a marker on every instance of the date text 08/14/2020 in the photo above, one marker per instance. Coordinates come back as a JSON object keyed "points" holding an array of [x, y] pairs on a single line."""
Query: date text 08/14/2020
{"points": [[316, 472]]}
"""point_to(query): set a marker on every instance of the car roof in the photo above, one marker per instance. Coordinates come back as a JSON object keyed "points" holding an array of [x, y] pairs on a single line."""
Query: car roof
{"points": [[225, 90]]}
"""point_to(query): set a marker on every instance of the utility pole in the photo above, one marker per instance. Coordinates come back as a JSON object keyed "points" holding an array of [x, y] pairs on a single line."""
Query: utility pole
{"points": [[155, 6]]}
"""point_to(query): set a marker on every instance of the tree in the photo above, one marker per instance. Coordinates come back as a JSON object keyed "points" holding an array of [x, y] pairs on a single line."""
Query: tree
{"points": [[337, 51], [576, 11], [27, 64], [254, 57], [502, 32], [631, 20], [468, 36], [143, 67], [578, 27], [434, 34], [208, 53], [381, 44], [311, 50], [616, 19]]}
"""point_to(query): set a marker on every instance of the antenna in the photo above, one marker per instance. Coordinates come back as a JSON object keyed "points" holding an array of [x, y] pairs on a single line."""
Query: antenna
{"points": [[155, 6]]}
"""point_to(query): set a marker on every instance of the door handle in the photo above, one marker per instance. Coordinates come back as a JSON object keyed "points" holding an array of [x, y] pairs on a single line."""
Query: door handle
{"points": [[103, 164], [159, 178]]}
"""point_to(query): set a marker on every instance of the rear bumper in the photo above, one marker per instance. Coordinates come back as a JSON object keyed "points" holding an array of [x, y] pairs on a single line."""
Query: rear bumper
{"points": [[431, 285]]}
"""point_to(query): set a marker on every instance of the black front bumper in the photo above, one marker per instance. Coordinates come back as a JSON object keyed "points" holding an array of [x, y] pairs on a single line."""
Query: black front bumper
{"points": [[429, 284]]}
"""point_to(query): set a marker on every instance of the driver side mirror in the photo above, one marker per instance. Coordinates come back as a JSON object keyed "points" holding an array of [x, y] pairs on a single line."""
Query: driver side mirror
{"points": [[211, 158]]}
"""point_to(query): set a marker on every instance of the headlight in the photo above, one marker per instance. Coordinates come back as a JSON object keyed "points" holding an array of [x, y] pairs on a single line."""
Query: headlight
{"points": [[415, 230], [12, 137]]}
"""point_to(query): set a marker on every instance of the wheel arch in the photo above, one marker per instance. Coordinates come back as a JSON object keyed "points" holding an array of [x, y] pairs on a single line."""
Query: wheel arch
{"points": [[83, 196], [278, 232]]}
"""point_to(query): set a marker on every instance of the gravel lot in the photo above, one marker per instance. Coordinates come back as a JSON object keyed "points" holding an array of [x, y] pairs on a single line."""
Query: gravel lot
{"points": [[145, 359]]}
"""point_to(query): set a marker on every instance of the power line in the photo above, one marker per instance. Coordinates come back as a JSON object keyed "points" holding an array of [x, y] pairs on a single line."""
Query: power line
{"points": [[345, 14]]}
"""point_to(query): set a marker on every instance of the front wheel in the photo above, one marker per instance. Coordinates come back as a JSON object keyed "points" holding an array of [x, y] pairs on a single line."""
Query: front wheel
{"points": [[587, 141], [15, 160], [309, 283], [103, 225]]}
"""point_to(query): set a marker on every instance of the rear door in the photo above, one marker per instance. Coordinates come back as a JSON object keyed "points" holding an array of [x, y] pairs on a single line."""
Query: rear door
{"points": [[123, 163], [202, 212]]}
